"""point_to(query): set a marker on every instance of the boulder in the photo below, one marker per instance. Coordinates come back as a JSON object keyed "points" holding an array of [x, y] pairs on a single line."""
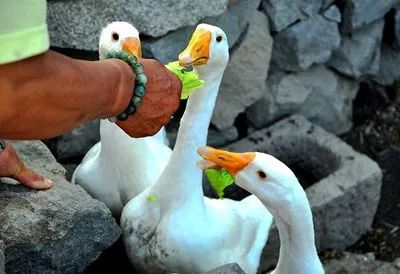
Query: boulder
{"points": [[76, 143], [320, 94], [333, 14], [361, 264], [358, 13], [308, 42], [389, 66], [60, 230], [2, 259], [244, 79], [282, 13], [233, 21], [341, 184], [77, 24], [232, 268], [359, 52]]}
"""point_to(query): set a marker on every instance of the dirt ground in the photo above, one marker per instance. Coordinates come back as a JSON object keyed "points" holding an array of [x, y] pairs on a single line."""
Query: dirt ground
{"points": [[376, 132]]}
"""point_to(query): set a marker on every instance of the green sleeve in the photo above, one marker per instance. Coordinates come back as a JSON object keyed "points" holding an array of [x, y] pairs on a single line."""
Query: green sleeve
{"points": [[23, 29]]}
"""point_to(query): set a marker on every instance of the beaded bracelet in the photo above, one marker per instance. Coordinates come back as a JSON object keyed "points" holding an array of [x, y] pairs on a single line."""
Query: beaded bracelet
{"points": [[140, 83]]}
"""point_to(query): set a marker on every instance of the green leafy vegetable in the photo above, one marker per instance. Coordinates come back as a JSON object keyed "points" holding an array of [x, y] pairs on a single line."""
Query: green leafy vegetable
{"points": [[190, 79], [219, 180], [152, 198]]}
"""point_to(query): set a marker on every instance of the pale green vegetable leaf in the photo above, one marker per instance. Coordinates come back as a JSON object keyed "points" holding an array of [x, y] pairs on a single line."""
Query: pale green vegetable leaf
{"points": [[219, 180], [190, 79], [152, 198]]}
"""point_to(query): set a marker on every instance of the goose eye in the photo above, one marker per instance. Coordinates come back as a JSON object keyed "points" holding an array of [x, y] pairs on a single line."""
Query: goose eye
{"points": [[219, 38], [115, 36], [262, 175]]}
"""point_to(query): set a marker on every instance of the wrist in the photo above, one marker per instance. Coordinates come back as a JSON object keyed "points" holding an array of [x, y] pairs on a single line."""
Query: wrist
{"points": [[119, 94]]}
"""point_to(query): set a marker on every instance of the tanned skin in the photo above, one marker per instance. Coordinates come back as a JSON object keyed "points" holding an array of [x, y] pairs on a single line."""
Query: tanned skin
{"points": [[50, 94]]}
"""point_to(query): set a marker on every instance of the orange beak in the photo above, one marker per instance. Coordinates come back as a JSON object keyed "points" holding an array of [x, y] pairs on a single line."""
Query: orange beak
{"points": [[198, 51], [132, 46], [231, 161]]}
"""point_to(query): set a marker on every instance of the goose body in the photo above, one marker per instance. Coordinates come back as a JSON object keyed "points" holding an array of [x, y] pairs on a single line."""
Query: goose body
{"points": [[279, 190], [120, 167], [171, 226]]}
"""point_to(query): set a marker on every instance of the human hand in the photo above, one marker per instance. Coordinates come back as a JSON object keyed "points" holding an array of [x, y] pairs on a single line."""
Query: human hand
{"points": [[160, 102], [12, 166]]}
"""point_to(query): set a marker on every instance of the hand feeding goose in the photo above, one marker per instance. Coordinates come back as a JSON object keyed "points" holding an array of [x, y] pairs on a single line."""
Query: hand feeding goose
{"points": [[279, 190], [119, 167], [171, 226]]}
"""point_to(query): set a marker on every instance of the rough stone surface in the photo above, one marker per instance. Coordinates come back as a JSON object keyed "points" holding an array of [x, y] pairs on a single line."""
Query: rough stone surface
{"points": [[359, 52], [2, 259], [282, 13], [249, 61], [233, 268], [233, 22], [306, 43], [319, 94], [333, 14], [77, 142], [60, 230], [341, 184], [77, 24], [361, 264], [358, 13], [397, 27], [389, 66]]}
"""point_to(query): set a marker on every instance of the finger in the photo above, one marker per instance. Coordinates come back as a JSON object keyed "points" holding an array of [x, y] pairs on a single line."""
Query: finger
{"points": [[33, 180]]}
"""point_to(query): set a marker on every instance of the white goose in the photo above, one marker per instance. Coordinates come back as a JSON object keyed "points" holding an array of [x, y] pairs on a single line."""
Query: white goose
{"points": [[119, 167], [279, 190], [171, 226]]}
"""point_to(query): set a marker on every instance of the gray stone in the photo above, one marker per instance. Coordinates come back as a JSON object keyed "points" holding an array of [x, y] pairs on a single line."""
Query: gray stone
{"points": [[341, 184], [389, 66], [218, 138], [60, 230], [77, 24], [77, 142], [359, 52], [397, 28], [358, 13], [2, 259], [282, 13], [306, 43], [319, 94], [333, 14], [245, 77], [360, 264], [233, 22], [233, 268]]}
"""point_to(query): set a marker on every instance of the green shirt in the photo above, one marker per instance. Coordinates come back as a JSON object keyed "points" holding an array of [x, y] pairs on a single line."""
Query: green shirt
{"points": [[23, 29]]}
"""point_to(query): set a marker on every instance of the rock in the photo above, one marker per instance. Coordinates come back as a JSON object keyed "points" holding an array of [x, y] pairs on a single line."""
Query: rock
{"points": [[218, 138], [77, 24], [282, 13], [389, 66], [244, 79], [233, 22], [76, 143], [2, 259], [306, 43], [361, 264], [333, 14], [233, 268], [319, 94], [354, 60], [358, 13], [341, 184], [397, 28], [61, 230]]}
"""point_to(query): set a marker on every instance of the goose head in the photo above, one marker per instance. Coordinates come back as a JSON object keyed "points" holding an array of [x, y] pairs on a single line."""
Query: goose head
{"points": [[260, 174], [208, 49], [120, 36]]}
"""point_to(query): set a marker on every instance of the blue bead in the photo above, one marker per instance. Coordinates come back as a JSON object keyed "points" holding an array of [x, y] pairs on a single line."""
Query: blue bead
{"points": [[123, 55], [111, 54], [136, 101], [140, 90], [141, 79], [131, 110], [132, 60], [123, 116], [138, 68]]}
